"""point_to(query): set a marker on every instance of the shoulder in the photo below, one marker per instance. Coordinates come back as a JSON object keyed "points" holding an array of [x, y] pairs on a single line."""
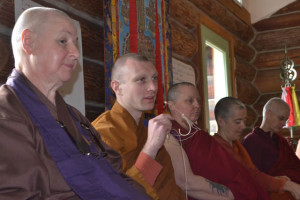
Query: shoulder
{"points": [[251, 137], [10, 105]]}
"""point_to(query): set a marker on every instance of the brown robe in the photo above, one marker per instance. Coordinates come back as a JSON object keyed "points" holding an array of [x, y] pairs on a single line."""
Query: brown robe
{"points": [[27, 171], [119, 130]]}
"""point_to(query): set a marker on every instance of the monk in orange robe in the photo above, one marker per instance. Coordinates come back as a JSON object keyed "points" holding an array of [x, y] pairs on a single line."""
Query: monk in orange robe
{"points": [[134, 81], [230, 114]]}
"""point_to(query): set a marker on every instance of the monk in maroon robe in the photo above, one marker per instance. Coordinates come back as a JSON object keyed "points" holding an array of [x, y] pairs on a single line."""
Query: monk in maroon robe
{"points": [[206, 157], [269, 151]]}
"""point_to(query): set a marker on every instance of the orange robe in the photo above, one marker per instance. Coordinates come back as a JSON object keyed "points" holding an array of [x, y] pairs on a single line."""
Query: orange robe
{"points": [[119, 130], [272, 184]]}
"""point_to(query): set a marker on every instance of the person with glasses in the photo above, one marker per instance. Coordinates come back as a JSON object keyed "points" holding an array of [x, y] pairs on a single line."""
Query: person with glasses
{"points": [[48, 149], [269, 151], [231, 114]]}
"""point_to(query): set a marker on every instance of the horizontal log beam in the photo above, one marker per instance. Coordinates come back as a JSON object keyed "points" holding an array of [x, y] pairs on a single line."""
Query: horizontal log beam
{"points": [[228, 20], [183, 41], [243, 50], [278, 22], [180, 8], [277, 39], [292, 7], [246, 92], [273, 59], [239, 11], [269, 81], [94, 82], [244, 70]]}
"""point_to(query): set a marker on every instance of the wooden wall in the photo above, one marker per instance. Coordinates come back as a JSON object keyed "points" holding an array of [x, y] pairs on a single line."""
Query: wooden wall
{"points": [[257, 50], [271, 36], [90, 16], [231, 22]]}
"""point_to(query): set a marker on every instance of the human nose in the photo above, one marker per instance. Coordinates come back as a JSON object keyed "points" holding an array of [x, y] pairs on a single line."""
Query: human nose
{"points": [[152, 85], [74, 50], [197, 104], [243, 125]]}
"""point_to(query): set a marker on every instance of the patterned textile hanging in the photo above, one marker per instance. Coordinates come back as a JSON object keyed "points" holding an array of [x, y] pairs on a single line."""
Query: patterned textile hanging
{"points": [[138, 26]]}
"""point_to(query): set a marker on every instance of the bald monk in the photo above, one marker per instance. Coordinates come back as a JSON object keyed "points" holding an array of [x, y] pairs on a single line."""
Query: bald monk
{"points": [[48, 149], [230, 114], [201, 158], [134, 81], [269, 151]]}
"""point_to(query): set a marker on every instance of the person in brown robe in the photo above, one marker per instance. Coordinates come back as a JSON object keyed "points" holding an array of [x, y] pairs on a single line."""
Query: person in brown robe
{"points": [[230, 114], [134, 81], [44, 42]]}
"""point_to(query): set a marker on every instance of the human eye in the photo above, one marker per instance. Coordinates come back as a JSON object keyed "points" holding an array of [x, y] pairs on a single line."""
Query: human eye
{"points": [[237, 122], [62, 42], [281, 118], [141, 80], [155, 78], [189, 101]]}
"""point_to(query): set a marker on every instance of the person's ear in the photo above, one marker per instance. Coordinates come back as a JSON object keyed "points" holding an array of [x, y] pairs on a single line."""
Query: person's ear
{"points": [[115, 86], [220, 121], [28, 41], [170, 105]]}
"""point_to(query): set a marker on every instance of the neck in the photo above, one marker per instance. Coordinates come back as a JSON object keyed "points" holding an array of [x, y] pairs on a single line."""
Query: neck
{"points": [[265, 128], [223, 135], [182, 123], [136, 114], [49, 90]]}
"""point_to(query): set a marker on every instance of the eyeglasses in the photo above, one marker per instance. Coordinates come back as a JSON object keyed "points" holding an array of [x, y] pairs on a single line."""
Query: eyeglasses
{"points": [[81, 145]]}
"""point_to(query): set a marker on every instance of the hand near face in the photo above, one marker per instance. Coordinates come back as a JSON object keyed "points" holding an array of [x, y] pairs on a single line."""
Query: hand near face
{"points": [[158, 128]]}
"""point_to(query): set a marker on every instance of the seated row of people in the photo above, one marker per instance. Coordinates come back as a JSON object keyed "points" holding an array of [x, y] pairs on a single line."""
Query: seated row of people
{"points": [[49, 150], [222, 158]]}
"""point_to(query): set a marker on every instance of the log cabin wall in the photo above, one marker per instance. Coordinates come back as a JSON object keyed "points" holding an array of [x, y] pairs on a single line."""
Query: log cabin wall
{"points": [[257, 52], [90, 16], [228, 20], [271, 36]]}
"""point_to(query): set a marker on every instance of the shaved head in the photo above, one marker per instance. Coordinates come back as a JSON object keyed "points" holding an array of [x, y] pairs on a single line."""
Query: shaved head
{"points": [[274, 104], [35, 19], [174, 90], [224, 107], [119, 68]]}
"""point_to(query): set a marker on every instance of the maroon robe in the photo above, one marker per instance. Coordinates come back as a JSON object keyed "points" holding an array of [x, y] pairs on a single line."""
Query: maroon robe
{"points": [[209, 160], [258, 144]]}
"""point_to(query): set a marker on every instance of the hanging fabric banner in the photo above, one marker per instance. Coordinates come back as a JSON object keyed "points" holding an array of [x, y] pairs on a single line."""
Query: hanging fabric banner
{"points": [[138, 26], [296, 107], [287, 97]]}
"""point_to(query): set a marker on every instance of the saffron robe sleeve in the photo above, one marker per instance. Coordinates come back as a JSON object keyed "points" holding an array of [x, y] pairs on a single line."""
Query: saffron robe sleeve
{"points": [[119, 130], [26, 169]]}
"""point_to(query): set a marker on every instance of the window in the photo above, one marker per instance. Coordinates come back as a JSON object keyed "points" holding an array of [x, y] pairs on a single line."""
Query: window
{"points": [[216, 73]]}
